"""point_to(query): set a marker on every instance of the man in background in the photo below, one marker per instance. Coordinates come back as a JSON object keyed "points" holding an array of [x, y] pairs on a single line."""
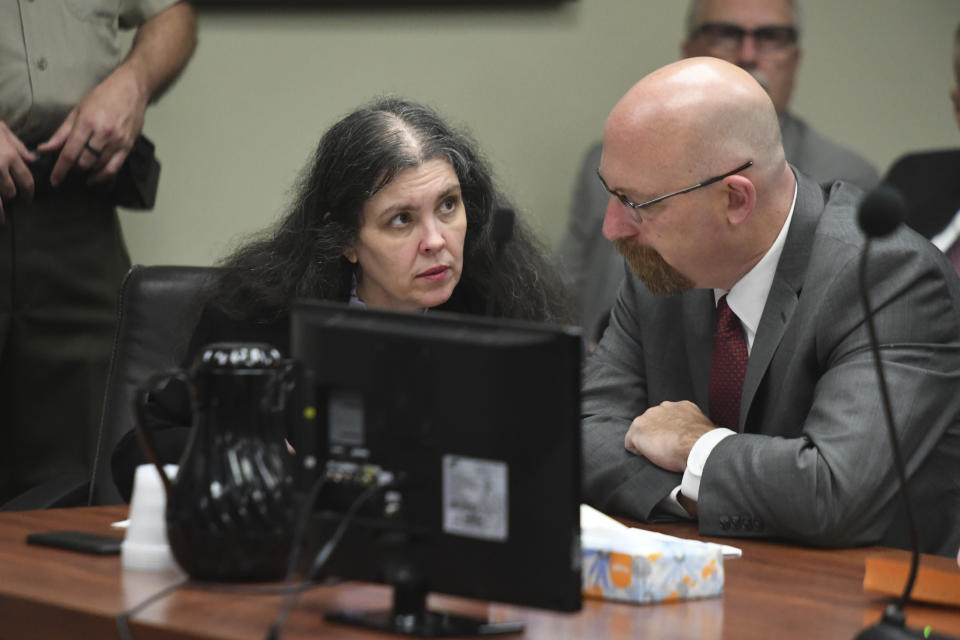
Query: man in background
{"points": [[71, 107], [761, 36], [735, 383], [930, 184]]}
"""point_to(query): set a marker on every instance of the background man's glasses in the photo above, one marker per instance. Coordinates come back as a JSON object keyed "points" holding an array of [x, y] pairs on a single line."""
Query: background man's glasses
{"points": [[723, 36], [635, 208]]}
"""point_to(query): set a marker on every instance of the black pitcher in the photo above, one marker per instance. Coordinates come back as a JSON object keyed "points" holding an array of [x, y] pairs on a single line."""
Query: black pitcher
{"points": [[230, 510]]}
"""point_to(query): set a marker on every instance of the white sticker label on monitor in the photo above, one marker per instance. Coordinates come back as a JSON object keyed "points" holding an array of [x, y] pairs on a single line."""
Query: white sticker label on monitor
{"points": [[475, 498]]}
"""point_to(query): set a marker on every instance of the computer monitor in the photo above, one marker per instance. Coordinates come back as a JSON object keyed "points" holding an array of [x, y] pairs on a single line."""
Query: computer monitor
{"points": [[473, 427]]}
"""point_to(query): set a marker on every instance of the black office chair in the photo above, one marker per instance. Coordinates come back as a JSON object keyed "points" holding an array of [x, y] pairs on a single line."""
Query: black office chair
{"points": [[158, 307]]}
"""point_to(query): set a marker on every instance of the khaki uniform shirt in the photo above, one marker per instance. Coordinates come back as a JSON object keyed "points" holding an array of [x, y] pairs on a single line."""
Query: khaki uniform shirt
{"points": [[53, 52]]}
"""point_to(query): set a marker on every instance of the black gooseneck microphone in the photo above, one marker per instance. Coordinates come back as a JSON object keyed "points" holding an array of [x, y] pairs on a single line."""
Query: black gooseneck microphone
{"points": [[880, 213], [501, 230]]}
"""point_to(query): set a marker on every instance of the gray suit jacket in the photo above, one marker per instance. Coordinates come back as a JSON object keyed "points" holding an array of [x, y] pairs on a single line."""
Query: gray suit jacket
{"points": [[812, 462], [593, 270]]}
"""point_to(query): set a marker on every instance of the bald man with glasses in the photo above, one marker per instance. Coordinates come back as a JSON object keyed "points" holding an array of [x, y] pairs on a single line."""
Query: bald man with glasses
{"points": [[762, 37], [735, 384]]}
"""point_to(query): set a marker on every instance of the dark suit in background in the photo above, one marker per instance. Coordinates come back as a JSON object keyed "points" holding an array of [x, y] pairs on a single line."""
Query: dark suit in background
{"points": [[930, 183], [812, 462]]}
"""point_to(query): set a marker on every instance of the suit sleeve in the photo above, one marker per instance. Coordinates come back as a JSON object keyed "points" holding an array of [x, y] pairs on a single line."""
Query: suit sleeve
{"points": [[834, 484], [614, 393]]}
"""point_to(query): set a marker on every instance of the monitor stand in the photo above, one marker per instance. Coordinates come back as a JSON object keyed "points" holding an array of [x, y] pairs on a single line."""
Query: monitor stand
{"points": [[410, 616]]}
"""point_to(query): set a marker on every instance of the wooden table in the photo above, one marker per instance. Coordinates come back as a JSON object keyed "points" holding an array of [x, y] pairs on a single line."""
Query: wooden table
{"points": [[773, 591]]}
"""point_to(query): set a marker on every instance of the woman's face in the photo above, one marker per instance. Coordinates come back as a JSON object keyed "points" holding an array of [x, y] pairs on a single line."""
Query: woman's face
{"points": [[409, 250]]}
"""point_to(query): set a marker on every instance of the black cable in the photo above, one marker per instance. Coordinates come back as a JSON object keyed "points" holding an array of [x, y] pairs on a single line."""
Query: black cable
{"points": [[289, 589], [121, 619], [273, 633], [301, 529], [252, 590], [286, 588], [214, 587], [892, 432], [324, 554]]}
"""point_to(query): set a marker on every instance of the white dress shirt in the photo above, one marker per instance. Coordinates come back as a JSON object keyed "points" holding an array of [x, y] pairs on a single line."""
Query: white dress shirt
{"points": [[950, 234]]}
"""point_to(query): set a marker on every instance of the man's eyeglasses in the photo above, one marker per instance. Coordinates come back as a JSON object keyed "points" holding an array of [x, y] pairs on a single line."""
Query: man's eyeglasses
{"points": [[636, 207], [723, 36]]}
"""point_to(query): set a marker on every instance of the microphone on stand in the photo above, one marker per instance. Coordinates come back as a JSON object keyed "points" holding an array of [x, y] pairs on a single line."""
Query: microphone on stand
{"points": [[880, 213], [501, 230]]}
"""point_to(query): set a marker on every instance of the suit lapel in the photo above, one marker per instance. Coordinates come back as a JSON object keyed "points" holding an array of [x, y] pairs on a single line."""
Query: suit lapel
{"points": [[785, 289]]}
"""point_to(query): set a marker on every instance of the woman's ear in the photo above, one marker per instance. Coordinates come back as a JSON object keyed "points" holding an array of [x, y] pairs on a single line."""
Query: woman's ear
{"points": [[741, 198], [350, 254]]}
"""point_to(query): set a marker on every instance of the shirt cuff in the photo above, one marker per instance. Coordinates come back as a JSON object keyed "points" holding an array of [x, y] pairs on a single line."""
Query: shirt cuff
{"points": [[702, 448], [671, 505]]}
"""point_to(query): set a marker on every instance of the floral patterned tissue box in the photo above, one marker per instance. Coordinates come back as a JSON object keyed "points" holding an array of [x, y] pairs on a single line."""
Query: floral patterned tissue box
{"points": [[634, 565]]}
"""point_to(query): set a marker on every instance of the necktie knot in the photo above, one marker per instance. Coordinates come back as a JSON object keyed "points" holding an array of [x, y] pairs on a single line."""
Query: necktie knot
{"points": [[727, 320]]}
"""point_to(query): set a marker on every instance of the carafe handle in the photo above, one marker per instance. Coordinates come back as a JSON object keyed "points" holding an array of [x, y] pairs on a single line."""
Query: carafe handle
{"points": [[140, 399]]}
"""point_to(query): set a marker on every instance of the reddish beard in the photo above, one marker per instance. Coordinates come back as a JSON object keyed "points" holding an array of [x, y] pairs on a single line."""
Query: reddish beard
{"points": [[652, 269]]}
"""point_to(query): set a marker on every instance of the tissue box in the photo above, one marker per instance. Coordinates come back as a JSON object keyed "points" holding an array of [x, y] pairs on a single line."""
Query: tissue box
{"points": [[636, 566]]}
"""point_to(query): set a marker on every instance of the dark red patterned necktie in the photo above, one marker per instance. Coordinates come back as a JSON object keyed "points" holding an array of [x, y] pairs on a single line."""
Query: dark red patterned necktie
{"points": [[727, 368]]}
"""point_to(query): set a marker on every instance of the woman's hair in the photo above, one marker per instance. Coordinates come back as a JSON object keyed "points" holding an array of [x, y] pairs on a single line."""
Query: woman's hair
{"points": [[302, 256]]}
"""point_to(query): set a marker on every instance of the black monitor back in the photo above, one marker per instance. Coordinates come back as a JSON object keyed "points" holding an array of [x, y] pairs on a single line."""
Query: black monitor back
{"points": [[475, 422]]}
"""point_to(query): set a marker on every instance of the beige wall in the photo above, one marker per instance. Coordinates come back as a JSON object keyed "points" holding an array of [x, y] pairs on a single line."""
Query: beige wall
{"points": [[532, 84]]}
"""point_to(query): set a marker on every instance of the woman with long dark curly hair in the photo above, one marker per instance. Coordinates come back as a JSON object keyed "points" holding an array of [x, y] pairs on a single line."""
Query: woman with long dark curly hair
{"points": [[318, 248], [394, 211]]}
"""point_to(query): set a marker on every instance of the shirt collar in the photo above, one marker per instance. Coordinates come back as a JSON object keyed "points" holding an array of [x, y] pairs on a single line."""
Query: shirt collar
{"points": [[355, 300], [749, 294], [948, 235]]}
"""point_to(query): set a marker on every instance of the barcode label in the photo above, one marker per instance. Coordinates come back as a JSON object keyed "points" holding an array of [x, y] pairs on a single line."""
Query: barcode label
{"points": [[475, 498]]}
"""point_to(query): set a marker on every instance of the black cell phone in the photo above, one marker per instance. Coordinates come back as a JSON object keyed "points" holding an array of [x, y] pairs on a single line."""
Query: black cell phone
{"points": [[77, 541]]}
